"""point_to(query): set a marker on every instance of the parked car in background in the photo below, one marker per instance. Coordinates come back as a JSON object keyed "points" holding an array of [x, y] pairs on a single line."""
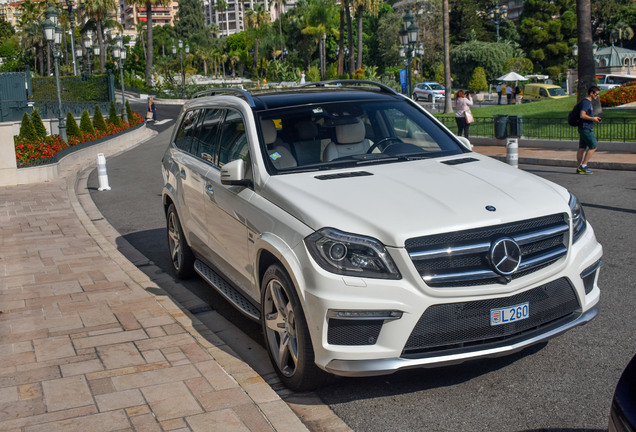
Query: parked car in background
{"points": [[537, 92], [623, 411], [365, 236], [428, 90]]}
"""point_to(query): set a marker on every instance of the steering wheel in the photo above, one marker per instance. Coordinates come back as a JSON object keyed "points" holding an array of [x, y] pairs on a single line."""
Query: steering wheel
{"points": [[382, 141]]}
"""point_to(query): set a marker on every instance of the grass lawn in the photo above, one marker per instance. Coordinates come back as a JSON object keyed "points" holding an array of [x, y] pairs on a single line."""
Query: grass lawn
{"points": [[549, 109], [548, 120]]}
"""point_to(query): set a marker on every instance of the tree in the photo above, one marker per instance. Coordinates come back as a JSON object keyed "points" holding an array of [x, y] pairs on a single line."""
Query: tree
{"points": [[586, 67], [320, 20], [148, 4], [478, 82], [36, 119], [257, 20], [190, 23], [448, 108], [546, 31], [371, 7], [98, 10], [491, 56]]}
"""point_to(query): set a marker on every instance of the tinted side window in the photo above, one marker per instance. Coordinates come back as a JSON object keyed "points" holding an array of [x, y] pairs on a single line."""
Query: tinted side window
{"points": [[208, 136], [187, 130], [233, 142]]}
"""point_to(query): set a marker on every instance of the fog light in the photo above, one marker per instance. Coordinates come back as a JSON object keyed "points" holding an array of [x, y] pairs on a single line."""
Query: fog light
{"points": [[364, 314]]}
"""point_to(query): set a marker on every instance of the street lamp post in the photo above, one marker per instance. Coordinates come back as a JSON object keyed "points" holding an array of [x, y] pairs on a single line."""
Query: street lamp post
{"points": [[174, 51], [497, 15], [71, 15], [408, 39], [52, 33], [119, 52], [88, 43]]}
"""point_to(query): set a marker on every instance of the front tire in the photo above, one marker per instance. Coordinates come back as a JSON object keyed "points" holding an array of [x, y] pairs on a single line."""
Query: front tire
{"points": [[181, 255], [286, 334]]}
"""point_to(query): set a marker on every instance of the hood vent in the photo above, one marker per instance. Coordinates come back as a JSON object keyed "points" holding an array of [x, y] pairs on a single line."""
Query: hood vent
{"points": [[343, 175], [460, 161]]}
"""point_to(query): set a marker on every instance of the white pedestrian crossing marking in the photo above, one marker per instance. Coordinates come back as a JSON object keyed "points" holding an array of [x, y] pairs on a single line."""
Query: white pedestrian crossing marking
{"points": [[160, 122]]}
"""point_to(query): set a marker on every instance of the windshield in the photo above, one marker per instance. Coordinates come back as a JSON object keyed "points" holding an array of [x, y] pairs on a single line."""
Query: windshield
{"points": [[332, 135], [556, 92]]}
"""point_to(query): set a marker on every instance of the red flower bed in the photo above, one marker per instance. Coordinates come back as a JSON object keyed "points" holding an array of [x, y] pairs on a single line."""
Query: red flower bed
{"points": [[35, 153], [619, 95]]}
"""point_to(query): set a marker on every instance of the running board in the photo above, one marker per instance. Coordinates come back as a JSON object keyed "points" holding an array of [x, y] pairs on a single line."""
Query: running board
{"points": [[226, 290]]}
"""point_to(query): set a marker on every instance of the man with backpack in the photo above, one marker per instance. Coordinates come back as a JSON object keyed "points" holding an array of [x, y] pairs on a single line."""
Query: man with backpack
{"points": [[587, 139]]}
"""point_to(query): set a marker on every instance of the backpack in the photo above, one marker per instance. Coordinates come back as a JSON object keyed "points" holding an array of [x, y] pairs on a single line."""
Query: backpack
{"points": [[575, 115]]}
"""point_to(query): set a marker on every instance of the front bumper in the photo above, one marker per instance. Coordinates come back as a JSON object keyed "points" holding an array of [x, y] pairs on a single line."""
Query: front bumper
{"points": [[353, 368]]}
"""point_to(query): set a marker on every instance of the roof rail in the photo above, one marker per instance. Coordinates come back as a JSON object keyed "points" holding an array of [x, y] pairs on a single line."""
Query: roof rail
{"points": [[381, 86], [232, 90]]}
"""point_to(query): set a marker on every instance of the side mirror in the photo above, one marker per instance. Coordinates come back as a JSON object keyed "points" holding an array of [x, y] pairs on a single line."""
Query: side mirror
{"points": [[233, 174], [464, 141]]}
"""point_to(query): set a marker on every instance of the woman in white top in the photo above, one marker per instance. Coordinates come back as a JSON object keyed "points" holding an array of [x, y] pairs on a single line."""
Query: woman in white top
{"points": [[463, 102]]}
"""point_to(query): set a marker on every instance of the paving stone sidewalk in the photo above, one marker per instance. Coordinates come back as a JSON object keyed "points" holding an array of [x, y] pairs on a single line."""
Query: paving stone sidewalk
{"points": [[85, 345]]}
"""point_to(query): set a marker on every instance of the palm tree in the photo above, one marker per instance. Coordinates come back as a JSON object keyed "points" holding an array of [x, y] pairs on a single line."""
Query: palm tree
{"points": [[279, 7], [370, 6], [319, 20], [257, 19], [98, 10], [448, 107], [148, 4], [32, 34], [586, 67]]}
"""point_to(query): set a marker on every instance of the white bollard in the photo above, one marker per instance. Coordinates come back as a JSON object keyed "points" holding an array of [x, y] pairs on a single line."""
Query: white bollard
{"points": [[101, 172], [512, 152]]}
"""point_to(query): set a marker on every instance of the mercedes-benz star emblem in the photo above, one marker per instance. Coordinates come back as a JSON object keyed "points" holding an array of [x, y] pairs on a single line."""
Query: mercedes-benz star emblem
{"points": [[505, 256]]}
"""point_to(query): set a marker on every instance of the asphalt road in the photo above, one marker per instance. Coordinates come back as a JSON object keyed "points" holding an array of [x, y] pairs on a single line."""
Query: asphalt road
{"points": [[564, 385]]}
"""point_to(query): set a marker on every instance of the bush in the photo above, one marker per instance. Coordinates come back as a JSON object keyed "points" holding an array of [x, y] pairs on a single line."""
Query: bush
{"points": [[313, 74], [98, 120], [478, 82], [36, 119], [86, 126], [129, 112], [72, 129], [113, 118], [27, 130]]}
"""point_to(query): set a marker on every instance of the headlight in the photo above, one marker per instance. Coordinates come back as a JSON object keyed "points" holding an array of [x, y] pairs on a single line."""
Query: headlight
{"points": [[578, 218], [351, 255]]}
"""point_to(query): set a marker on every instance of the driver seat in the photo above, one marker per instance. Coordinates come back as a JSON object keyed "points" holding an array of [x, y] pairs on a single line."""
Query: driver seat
{"points": [[349, 141]]}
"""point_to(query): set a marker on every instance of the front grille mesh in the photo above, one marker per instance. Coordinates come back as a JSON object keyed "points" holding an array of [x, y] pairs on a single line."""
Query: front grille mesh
{"points": [[542, 241], [457, 325], [353, 332]]}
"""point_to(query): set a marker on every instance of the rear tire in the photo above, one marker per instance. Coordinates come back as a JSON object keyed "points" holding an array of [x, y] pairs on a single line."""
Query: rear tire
{"points": [[181, 255], [286, 334], [415, 97]]}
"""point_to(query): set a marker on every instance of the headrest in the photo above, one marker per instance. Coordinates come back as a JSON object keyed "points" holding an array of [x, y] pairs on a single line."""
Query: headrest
{"points": [[269, 131], [350, 133], [306, 130]]}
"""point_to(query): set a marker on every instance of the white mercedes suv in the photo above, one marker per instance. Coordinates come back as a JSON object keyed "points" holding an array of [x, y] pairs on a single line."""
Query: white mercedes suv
{"points": [[365, 236]]}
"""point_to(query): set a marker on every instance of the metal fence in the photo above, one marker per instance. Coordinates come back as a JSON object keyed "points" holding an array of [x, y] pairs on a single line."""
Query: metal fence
{"points": [[615, 129]]}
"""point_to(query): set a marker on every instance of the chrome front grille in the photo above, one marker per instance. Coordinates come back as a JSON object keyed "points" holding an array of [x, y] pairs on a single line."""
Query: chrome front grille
{"points": [[462, 258]]}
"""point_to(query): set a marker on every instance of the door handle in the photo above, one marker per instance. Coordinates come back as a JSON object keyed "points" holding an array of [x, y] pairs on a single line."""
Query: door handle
{"points": [[182, 174]]}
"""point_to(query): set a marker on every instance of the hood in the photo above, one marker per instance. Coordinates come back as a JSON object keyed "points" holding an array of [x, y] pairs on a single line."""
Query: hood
{"points": [[396, 201]]}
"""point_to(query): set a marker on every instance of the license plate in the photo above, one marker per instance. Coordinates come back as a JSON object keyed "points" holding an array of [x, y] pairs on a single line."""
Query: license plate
{"points": [[509, 314]]}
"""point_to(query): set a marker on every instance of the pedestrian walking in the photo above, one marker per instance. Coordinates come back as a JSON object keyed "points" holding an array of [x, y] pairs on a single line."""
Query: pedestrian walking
{"points": [[587, 139], [302, 77], [508, 94], [498, 93], [463, 116], [152, 110], [517, 95]]}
